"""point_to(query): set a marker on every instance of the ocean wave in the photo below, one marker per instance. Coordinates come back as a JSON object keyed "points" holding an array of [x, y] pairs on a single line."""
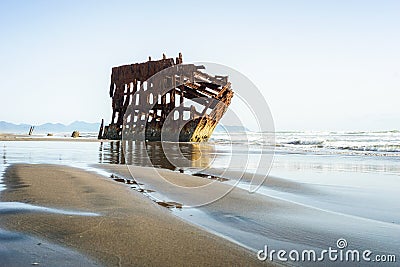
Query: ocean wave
{"points": [[306, 142], [368, 143], [372, 148]]}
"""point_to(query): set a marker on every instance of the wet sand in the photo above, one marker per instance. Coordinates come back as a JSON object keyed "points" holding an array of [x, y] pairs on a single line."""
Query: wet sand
{"points": [[17, 249], [131, 229], [259, 219]]}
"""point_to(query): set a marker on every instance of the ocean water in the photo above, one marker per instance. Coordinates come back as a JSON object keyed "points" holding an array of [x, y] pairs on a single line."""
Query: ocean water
{"points": [[333, 184], [384, 143], [348, 168]]}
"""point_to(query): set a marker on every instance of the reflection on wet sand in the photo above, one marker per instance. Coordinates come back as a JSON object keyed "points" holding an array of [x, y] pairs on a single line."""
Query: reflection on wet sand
{"points": [[172, 156], [4, 155]]}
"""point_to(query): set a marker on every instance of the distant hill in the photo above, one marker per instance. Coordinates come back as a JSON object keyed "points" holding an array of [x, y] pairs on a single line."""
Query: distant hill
{"points": [[6, 127], [81, 126]]}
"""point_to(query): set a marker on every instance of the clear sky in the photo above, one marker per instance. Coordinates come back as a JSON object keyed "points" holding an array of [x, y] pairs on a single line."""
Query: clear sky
{"points": [[321, 65]]}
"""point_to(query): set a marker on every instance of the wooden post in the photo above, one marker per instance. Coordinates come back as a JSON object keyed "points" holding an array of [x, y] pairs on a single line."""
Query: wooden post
{"points": [[100, 136]]}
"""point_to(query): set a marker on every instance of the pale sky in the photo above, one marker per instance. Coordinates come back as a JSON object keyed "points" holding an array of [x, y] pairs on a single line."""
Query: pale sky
{"points": [[321, 65]]}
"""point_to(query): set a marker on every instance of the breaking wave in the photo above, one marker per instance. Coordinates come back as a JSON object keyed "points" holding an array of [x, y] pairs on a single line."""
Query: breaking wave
{"points": [[380, 143]]}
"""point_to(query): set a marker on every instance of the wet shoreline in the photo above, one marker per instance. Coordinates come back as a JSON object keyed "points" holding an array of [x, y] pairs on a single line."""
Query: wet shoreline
{"points": [[133, 225], [325, 188]]}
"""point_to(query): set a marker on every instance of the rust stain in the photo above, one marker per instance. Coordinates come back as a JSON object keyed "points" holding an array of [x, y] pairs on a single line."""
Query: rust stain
{"points": [[183, 104]]}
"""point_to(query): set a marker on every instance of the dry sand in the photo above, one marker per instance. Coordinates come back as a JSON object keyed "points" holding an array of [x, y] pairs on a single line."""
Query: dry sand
{"points": [[23, 137], [131, 231]]}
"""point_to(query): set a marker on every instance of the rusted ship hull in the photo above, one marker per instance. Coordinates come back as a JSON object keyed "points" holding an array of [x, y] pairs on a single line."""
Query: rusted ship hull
{"points": [[165, 101]]}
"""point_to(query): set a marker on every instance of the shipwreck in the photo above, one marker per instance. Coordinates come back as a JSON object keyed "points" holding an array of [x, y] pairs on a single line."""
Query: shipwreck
{"points": [[165, 100]]}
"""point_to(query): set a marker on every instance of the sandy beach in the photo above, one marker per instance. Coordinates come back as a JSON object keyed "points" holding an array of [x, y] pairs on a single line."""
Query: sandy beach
{"points": [[265, 218], [23, 137], [82, 215], [131, 230]]}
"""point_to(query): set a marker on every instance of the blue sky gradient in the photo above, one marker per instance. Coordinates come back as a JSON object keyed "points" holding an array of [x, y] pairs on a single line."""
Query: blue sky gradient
{"points": [[321, 65]]}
